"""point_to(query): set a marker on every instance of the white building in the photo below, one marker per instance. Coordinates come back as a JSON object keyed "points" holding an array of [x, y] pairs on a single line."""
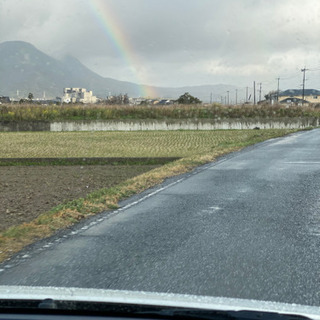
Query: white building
{"points": [[78, 95]]}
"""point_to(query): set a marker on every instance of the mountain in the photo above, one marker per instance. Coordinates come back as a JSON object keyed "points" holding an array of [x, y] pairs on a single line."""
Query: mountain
{"points": [[24, 69], [298, 92]]}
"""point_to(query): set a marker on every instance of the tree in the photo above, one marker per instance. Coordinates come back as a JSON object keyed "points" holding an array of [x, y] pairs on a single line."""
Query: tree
{"points": [[187, 98], [30, 96], [126, 99], [119, 99]]}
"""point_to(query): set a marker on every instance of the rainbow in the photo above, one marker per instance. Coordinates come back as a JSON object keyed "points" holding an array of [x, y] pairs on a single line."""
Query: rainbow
{"points": [[113, 31]]}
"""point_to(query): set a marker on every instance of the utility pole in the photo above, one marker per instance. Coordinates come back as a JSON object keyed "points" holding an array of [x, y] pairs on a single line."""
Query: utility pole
{"points": [[278, 89], [303, 82], [254, 92], [247, 94], [236, 96], [260, 86], [228, 96]]}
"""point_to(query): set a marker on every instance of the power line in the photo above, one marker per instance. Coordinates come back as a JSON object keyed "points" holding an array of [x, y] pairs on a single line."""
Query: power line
{"points": [[314, 69]]}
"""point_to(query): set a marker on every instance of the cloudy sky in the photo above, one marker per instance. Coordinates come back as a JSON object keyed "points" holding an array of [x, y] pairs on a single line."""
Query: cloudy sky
{"points": [[176, 42]]}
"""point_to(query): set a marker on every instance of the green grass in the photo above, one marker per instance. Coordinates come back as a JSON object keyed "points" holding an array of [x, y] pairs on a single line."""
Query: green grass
{"points": [[85, 161]]}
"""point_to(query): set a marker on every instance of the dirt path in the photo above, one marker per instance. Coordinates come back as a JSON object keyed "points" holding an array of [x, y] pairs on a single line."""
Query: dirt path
{"points": [[27, 191]]}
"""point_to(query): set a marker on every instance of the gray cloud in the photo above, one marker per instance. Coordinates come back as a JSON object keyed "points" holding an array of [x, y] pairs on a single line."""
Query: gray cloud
{"points": [[178, 42]]}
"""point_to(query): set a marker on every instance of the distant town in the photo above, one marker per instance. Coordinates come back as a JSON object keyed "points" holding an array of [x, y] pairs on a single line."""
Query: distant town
{"points": [[83, 96]]}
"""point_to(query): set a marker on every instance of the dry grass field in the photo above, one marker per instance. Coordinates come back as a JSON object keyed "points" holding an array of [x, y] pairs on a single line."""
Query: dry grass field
{"points": [[34, 112]]}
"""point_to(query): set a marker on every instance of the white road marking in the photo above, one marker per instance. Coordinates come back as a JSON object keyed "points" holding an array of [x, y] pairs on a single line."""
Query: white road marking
{"points": [[303, 162]]}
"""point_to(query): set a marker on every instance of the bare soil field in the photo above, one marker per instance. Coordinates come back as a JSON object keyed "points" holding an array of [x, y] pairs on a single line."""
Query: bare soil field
{"points": [[28, 191]]}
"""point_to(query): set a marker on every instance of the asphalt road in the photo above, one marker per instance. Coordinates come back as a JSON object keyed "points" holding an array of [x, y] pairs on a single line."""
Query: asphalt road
{"points": [[246, 226]]}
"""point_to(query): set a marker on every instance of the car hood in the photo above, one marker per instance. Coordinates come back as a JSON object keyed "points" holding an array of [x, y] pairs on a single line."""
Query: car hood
{"points": [[154, 299]]}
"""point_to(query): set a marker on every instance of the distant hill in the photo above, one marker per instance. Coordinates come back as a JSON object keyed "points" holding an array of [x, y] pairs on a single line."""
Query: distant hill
{"points": [[202, 92], [25, 69], [298, 92]]}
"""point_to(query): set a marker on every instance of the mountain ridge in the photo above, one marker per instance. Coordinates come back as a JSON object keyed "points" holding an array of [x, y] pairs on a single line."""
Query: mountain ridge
{"points": [[24, 69]]}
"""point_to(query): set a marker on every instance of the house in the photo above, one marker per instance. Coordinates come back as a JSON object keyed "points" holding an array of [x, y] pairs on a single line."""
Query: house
{"points": [[164, 102], [295, 96], [4, 99], [80, 95], [293, 101]]}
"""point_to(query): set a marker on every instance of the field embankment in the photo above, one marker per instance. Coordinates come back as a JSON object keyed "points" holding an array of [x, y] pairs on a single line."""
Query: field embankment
{"points": [[99, 187], [177, 117]]}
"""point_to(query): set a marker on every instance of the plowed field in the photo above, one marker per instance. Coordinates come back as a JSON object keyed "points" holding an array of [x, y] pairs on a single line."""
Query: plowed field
{"points": [[27, 191]]}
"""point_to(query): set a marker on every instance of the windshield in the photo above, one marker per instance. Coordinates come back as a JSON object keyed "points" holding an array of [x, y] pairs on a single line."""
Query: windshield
{"points": [[163, 146]]}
